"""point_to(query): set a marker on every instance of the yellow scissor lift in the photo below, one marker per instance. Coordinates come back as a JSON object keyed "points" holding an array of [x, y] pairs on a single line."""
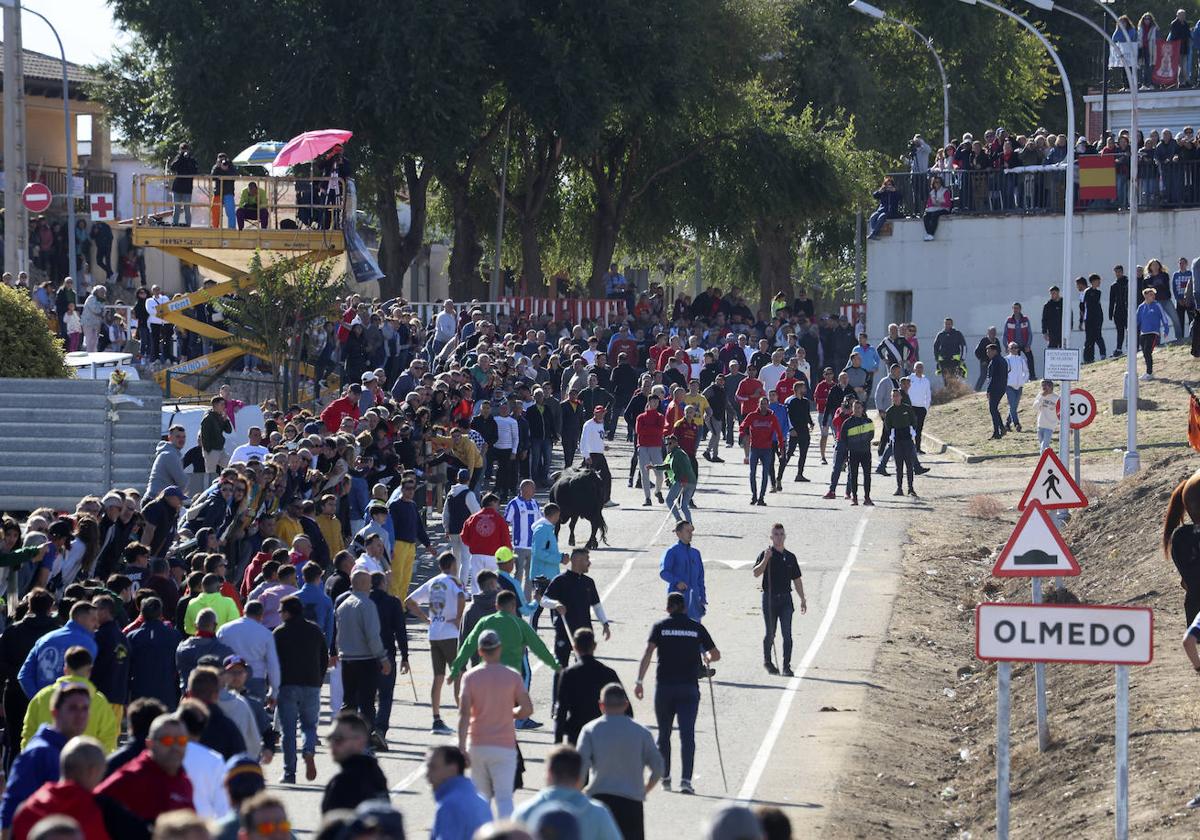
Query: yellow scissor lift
{"points": [[226, 252]]}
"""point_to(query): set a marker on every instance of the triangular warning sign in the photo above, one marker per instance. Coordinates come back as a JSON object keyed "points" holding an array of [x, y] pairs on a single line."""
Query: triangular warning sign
{"points": [[1035, 548], [1052, 485]]}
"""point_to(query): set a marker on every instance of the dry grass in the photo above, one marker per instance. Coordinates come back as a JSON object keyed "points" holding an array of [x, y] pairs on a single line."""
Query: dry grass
{"points": [[951, 391], [1162, 421], [985, 507]]}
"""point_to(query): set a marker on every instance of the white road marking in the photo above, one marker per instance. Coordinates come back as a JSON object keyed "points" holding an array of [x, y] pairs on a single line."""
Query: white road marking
{"points": [[403, 784], [767, 745]]}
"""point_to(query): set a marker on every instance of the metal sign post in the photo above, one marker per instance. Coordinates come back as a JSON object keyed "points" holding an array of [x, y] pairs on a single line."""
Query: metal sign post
{"points": [[1122, 750], [1003, 687], [1077, 479], [1039, 684]]}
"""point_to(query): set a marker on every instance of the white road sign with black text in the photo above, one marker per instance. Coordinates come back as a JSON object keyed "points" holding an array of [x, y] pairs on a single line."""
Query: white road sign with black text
{"points": [[1064, 633]]}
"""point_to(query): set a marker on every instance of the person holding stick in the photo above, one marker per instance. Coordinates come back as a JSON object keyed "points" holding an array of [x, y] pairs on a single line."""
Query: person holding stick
{"points": [[781, 572]]}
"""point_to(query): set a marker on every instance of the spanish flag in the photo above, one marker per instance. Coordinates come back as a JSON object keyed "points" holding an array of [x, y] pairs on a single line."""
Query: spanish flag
{"points": [[1097, 178]]}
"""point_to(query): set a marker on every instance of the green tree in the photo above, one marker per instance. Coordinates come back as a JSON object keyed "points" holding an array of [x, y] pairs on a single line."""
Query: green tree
{"points": [[28, 350], [274, 309]]}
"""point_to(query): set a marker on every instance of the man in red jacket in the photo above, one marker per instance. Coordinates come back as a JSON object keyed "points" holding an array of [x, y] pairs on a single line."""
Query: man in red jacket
{"points": [[484, 533], [154, 782], [761, 429], [648, 432], [346, 406]]}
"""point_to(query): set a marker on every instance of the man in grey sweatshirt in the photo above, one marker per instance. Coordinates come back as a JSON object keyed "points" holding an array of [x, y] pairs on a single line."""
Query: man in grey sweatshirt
{"points": [[167, 469], [359, 645]]}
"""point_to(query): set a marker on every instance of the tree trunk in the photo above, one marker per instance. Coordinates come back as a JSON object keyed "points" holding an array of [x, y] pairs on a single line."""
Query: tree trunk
{"points": [[776, 254], [398, 250], [531, 259], [605, 226], [466, 251]]}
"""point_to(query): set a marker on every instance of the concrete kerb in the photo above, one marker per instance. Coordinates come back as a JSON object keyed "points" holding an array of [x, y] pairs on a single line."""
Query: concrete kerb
{"points": [[954, 451]]}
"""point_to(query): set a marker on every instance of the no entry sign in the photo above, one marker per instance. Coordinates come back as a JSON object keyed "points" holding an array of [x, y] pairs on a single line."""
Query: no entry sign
{"points": [[1064, 633], [36, 197]]}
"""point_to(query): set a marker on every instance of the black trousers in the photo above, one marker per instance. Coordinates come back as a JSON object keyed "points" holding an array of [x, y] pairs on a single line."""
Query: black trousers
{"points": [[360, 681], [1147, 341], [1119, 323], [796, 443], [506, 473], [919, 427], [1091, 340], [994, 398], [906, 459], [570, 443], [861, 461], [627, 813], [387, 690], [1029, 358]]}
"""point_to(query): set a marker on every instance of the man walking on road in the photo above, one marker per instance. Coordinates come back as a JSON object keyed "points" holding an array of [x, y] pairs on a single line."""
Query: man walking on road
{"points": [[761, 429], [447, 604], [493, 696], [303, 660], [360, 646], [684, 650], [579, 689], [607, 746], [564, 781], [573, 596], [521, 513], [683, 570], [898, 426], [781, 572], [591, 447]]}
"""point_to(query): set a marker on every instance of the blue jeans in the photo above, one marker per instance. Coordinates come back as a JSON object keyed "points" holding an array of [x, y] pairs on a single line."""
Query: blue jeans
{"points": [[677, 700], [298, 704], [1014, 400], [182, 204], [683, 494], [539, 460], [839, 463], [876, 222], [765, 458], [1045, 439], [230, 211]]}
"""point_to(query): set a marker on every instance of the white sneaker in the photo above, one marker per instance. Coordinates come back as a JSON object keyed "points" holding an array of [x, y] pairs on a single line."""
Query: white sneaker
{"points": [[929, 237], [1146, 376]]}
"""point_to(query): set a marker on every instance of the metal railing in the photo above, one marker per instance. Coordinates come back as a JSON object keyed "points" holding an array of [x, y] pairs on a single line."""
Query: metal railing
{"points": [[55, 178], [217, 202], [1040, 189]]}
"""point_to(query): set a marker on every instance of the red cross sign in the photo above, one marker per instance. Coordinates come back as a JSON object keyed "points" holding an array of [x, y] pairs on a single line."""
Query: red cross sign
{"points": [[102, 207]]}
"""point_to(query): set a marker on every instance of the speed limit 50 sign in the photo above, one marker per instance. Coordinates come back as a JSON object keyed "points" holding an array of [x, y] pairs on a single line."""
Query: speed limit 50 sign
{"points": [[1082, 408]]}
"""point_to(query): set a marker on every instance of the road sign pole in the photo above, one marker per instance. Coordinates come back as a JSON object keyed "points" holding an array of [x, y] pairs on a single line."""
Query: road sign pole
{"points": [[1077, 456], [1122, 745], [1003, 681], [1039, 682]]}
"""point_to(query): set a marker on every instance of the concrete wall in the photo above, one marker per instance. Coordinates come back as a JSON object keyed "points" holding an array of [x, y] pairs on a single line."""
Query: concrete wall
{"points": [[978, 266]]}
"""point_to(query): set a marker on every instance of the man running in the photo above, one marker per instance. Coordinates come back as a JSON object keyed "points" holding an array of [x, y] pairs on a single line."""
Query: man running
{"points": [[683, 480], [684, 651], [781, 572], [761, 429]]}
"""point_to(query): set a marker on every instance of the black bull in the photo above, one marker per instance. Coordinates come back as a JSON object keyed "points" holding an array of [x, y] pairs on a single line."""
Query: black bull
{"points": [[579, 494]]}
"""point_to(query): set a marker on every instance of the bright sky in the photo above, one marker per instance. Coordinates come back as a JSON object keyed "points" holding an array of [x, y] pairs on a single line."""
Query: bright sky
{"points": [[86, 27]]}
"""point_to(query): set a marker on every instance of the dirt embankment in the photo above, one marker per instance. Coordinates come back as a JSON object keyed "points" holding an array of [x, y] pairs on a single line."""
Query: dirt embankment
{"points": [[926, 764]]}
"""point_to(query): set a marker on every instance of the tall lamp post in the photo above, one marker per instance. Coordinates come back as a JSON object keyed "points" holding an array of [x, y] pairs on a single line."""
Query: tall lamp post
{"points": [[879, 14], [1132, 460], [15, 4]]}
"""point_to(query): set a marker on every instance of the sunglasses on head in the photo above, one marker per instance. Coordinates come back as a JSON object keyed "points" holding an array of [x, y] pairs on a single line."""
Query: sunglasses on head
{"points": [[173, 740]]}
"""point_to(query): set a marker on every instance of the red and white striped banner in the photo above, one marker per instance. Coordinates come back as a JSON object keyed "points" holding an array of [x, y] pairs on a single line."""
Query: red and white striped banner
{"points": [[573, 310]]}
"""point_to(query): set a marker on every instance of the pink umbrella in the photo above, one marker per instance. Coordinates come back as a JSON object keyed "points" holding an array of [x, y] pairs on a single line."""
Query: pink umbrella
{"points": [[307, 146]]}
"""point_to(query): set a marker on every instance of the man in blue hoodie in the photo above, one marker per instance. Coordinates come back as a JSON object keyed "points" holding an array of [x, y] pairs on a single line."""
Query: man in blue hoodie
{"points": [[460, 809], [683, 570], [38, 762], [44, 664], [564, 778]]}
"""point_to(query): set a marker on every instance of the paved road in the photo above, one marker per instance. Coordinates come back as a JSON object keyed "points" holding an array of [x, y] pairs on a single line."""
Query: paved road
{"points": [[783, 740]]}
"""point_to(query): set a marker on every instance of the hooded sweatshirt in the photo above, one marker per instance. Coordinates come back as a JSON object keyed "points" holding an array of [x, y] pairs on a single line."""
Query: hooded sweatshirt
{"points": [[61, 799]]}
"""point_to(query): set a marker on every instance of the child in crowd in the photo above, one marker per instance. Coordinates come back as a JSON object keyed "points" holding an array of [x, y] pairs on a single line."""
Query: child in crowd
{"points": [[1045, 407]]}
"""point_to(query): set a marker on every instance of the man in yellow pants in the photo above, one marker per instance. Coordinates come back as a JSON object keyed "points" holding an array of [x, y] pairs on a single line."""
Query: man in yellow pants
{"points": [[409, 530]]}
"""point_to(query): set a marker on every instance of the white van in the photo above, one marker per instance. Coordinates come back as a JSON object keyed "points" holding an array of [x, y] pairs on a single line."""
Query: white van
{"points": [[100, 365]]}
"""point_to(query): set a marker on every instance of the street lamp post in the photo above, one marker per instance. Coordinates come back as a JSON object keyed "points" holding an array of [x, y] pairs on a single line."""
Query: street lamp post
{"points": [[879, 14], [1132, 460], [15, 4]]}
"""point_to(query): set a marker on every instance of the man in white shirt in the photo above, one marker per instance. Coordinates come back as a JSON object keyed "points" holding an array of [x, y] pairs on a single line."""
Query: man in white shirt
{"points": [[921, 393], [591, 447], [160, 330], [772, 373], [252, 451], [508, 436], [695, 356], [445, 326], [521, 513], [447, 603]]}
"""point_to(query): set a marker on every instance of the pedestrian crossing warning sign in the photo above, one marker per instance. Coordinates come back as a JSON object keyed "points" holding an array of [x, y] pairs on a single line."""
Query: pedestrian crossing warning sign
{"points": [[1035, 548], [1052, 485]]}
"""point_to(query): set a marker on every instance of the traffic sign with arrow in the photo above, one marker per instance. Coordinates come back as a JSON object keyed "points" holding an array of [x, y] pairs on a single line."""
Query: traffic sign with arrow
{"points": [[1035, 548], [1052, 486]]}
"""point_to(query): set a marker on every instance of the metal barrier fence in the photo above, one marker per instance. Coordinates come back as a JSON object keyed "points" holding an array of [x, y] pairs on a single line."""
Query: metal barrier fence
{"points": [[1041, 189], [217, 201]]}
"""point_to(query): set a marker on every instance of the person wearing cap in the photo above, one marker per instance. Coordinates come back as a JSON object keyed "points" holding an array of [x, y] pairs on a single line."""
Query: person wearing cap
{"points": [[408, 529], [243, 780], [359, 646], [491, 697], [591, 447], [685, 650], [235, 706]]}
